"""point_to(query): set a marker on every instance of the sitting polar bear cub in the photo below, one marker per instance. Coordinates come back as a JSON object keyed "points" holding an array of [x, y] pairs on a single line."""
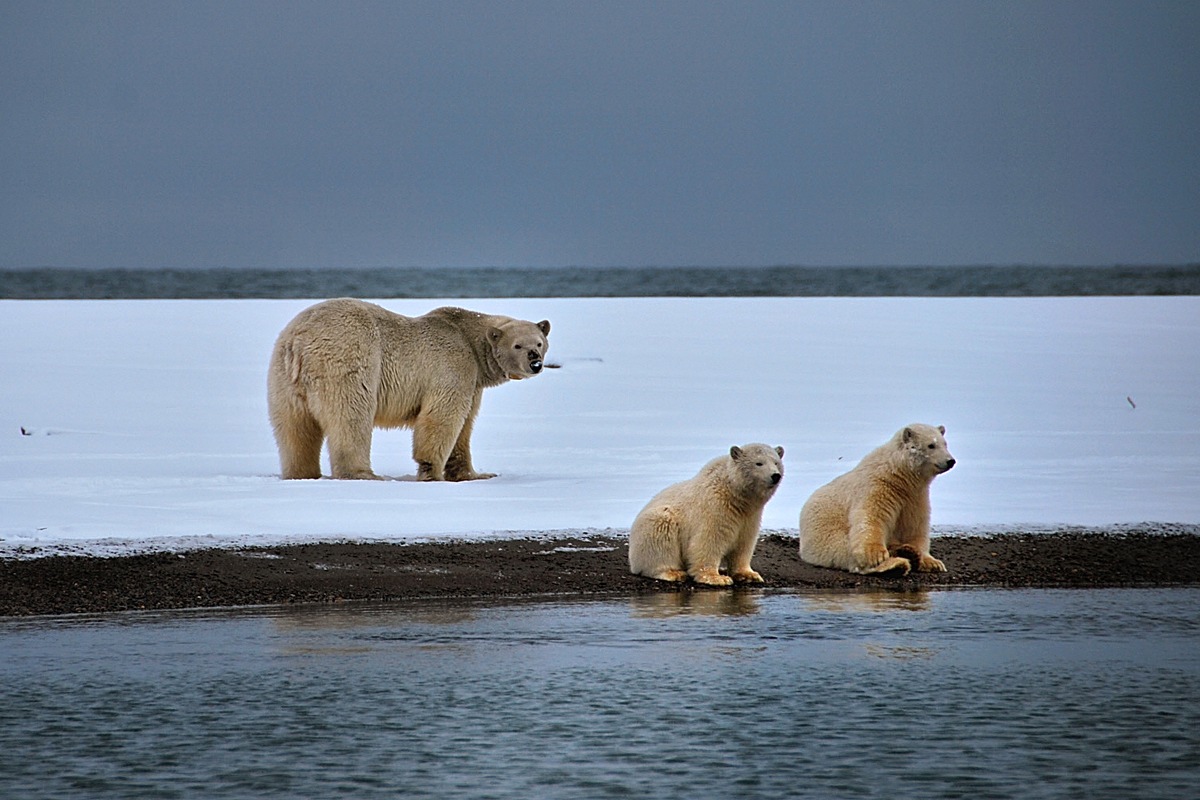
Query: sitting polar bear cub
{"points": [[691, 527], [344, 367], [876, 516]]}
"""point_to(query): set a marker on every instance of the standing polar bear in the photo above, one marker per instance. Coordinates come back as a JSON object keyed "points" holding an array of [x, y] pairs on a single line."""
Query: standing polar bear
{"points": [[691, 527], [876, 516], [344, 367]]}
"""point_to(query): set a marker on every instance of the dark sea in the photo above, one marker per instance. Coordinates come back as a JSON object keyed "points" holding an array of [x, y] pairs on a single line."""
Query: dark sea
{"points": [[971, 281], [1025, 694]]}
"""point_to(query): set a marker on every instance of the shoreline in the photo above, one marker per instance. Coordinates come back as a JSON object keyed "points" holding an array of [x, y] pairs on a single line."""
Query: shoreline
{"points": [[582, 565]]}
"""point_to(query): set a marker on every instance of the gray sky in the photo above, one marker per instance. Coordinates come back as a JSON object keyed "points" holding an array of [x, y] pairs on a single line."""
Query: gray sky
{"points": [[598, 133]]}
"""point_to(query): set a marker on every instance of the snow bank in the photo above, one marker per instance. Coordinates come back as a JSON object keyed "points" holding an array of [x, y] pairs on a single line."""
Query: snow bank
{"points": [[134, 424]]}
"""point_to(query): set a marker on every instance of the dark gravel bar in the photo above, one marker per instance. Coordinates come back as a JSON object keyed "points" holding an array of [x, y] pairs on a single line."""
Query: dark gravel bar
{"points": [[581, 565]]}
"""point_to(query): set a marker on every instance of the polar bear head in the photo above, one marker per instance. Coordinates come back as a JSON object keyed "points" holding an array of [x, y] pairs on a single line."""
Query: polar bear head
{"points": [[925, 448], [519, 347], [759, 467]]}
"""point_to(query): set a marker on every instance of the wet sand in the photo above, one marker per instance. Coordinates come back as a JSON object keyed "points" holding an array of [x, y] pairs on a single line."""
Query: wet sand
{"points": [[587, 564]]}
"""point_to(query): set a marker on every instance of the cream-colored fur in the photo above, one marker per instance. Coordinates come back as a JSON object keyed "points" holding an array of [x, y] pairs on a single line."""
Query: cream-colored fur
{"points": [[870, 518], [344, 367], [692, 527]]}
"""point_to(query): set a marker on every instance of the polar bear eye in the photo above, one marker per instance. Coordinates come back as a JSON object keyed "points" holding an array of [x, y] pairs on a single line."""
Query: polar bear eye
{"points": [[932, 445], [516, 347]]}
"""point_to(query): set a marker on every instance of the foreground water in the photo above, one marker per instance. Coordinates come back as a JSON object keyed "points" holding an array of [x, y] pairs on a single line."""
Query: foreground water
{"points": [[996, 693]]}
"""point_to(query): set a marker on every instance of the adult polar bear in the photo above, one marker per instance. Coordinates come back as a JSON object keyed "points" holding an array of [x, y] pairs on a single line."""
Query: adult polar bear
{"points": [[875, 518], [344, 367]]}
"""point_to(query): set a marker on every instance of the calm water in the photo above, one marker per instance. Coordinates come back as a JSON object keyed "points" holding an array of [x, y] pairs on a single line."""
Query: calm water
{"points": [[949, 694], [987, 281]]}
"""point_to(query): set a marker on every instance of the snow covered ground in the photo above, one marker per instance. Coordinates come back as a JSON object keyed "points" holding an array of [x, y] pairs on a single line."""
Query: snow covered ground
{"points": [[127, 425]]}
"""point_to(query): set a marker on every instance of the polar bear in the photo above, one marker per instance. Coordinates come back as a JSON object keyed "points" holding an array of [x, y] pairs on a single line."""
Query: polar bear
{"points": [[691, 527], [344, 367], [875, 518]]}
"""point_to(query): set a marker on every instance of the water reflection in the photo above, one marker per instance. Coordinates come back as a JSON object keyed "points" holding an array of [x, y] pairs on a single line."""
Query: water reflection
{"points": [[705, 602], [361, 616], [877, 601]]}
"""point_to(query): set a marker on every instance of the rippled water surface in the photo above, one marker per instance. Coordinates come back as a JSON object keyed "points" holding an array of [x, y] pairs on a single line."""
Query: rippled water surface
{"points": [[948, 694]]}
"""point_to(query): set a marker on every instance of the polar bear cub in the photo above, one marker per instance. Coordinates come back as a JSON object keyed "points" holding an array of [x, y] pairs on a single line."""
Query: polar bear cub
{"points": [[875, 517], [692, 527]]}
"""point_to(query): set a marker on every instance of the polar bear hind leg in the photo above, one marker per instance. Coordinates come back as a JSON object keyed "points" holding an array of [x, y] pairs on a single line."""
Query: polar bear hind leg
{"points": [[654, 545], [350, 449], [299, 438]]}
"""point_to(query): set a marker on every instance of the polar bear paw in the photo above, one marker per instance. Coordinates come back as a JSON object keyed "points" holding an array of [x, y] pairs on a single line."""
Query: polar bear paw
{"points": [[889, 564], [927, 563], [748, 576], [712, 578], [871, 555], [357, 475], [673, 575], [469, 476]]}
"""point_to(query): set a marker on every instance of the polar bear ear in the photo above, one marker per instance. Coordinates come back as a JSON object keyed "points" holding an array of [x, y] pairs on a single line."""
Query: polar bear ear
{"points": [[780, 451], [544, 327], [494, 335], [908, 434], [735, 452], [942, 429]]}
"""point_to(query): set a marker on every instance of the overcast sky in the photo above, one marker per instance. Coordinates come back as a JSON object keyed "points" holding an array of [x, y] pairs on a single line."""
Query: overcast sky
{"points": [[293, 134]]}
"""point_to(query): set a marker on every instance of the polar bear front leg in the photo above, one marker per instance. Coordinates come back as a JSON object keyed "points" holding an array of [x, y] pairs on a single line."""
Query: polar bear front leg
{"points": [[458, 465], [739, 559], [703, 556], [920, 557], [434, 434], [868, 547]]}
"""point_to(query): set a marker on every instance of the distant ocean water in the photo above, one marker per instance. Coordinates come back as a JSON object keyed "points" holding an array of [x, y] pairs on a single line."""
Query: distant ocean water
{"points": [[968, 281]]}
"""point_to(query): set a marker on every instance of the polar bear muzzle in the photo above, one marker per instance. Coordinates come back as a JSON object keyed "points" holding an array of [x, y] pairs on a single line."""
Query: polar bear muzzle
{"points": [[535, 366]]}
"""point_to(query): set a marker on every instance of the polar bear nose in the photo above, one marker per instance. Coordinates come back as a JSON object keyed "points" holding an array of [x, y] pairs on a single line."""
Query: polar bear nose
{"points": [[950, 462], [775, 478], [535, 362]]}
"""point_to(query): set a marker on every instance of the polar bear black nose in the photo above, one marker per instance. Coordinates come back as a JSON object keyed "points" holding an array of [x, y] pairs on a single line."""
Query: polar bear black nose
{"points": [[950, 462], [535, 362], [776, 478]]}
